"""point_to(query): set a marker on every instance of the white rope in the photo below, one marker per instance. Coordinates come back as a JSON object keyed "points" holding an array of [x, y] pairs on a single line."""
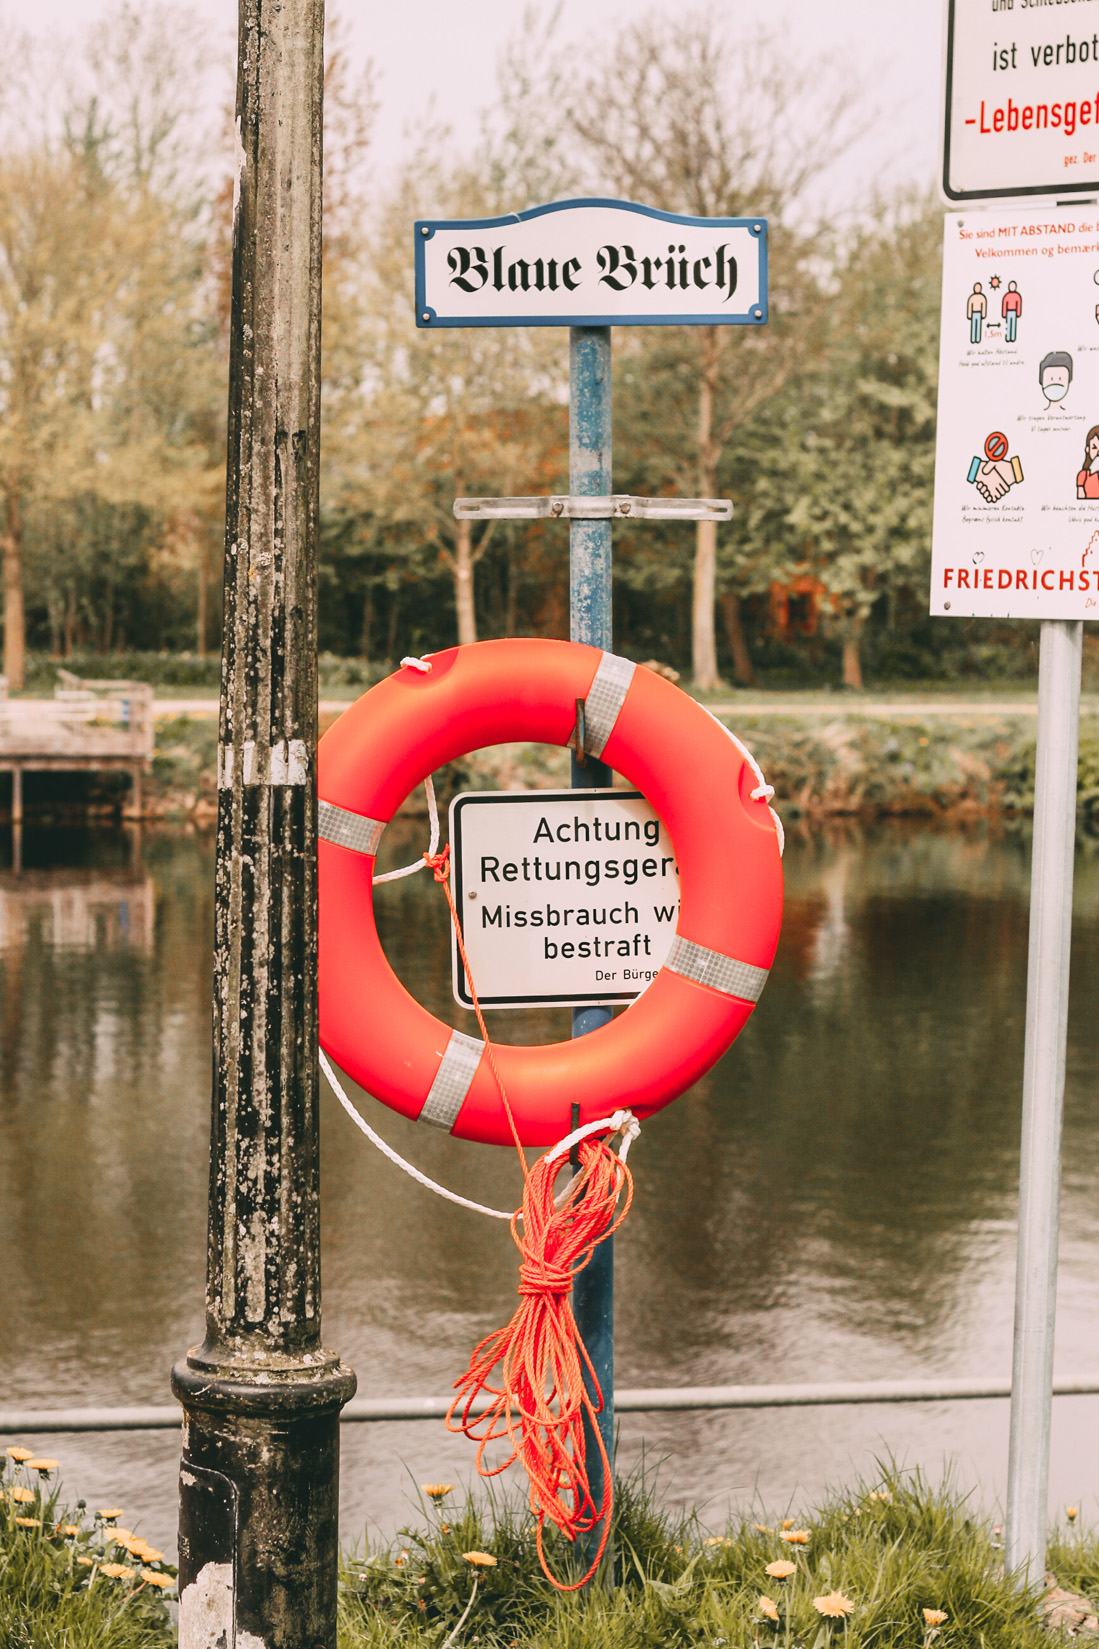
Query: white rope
{"points": [[763, 790], [388, 1151], [623, 1122], [433, 845]]}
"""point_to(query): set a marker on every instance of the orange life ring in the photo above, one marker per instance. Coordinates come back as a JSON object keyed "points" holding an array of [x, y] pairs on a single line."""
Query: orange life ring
{"points": [[706, 789]]}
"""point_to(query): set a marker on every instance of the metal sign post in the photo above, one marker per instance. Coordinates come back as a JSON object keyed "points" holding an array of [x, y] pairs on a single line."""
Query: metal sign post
{"points": [[259, 1479], [590, 621], [588, 265], [1043, 1096], [1016, 535]]}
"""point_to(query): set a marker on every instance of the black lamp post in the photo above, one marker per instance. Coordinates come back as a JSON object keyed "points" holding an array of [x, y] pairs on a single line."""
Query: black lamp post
{"points": [[259, 1478]]}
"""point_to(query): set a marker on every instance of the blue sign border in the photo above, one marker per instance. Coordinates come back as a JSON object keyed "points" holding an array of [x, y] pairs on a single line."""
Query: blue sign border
{"points": [[434, 320]]}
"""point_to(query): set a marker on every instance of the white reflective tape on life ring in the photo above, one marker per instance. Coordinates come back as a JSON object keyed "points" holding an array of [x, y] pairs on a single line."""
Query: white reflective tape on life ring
{"points": [[710, 967], [606, 696], [447, 1093], [345, 829]]}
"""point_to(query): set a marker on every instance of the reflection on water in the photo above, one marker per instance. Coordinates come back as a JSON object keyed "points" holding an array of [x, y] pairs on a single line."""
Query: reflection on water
{"points": [[834, 1201]]}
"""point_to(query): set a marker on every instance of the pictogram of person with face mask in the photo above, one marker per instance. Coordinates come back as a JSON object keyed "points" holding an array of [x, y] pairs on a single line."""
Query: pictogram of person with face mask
{"points": [[1055, 375], [1087, 482]]}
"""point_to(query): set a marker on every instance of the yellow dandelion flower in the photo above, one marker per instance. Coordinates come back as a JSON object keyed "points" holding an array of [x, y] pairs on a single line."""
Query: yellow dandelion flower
{"points": [[884, 1496], [70, 1528], [480, 1560], [934, 1617], [781, 1569], [787, 1523], [43, 1466], [19, 1455], [147, 1553], [24, 1496], [29, 1522], [1072, 1513], [716, 1540], [153, 1578], [768, 1607], [795, 1537], [109, 1513], [833, 1606], [873, 1495], [436, 1491], [86, 1561], [117, 1571], [764, 1528]]}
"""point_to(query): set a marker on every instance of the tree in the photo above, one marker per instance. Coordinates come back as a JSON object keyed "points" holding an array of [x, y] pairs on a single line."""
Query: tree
{"points": [[683, 119], [106, 369], [450, 412], [854, 479]]}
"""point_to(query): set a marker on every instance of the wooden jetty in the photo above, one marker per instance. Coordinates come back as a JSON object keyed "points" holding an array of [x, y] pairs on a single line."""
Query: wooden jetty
{"points": [[88, 726]]}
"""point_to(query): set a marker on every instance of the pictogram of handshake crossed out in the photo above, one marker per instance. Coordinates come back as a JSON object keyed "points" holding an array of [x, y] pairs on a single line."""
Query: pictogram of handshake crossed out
{"points": [[996, 473]]}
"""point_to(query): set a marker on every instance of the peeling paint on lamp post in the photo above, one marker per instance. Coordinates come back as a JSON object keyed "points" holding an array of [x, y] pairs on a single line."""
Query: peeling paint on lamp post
{"points": [[259, 1479]]}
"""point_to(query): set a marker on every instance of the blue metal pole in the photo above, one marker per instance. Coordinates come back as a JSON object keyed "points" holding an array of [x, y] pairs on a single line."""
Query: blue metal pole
{"points": [[590, 621]]}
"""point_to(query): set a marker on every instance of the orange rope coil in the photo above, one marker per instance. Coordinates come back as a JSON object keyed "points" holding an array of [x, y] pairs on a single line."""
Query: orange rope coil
{"points": [[539, 1398]]}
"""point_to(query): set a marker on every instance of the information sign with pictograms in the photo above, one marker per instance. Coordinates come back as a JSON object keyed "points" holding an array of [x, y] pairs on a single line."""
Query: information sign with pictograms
{"points": [[1016, 530]]}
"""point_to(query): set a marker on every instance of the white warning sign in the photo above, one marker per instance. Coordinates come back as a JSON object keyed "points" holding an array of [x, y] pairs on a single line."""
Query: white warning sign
{"points": [[1022, 98], [568, 897], [1016, 529]]}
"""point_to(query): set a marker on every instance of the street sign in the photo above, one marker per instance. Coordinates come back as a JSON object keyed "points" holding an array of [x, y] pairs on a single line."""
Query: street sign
{"points": [[1016, 531], [568, 897], [591, 263], [1022, 99]]}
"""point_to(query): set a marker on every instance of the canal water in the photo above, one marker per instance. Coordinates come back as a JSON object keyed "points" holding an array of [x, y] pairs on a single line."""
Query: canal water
{"points": [[835, 1201]]}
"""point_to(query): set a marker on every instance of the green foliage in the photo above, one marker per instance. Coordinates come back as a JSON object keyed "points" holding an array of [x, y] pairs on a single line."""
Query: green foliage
{"points": [[56, 1588], [891, 1551], [1018, 776], [820, 426]]}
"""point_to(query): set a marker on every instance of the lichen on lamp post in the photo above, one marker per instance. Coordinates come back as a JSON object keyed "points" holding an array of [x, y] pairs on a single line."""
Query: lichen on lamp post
{"points": [[259, 1479]]}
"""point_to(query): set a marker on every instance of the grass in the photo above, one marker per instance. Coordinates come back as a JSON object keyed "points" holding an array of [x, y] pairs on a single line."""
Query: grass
{"points": [[74, 1580], [890, 1551], [893, 1564]]}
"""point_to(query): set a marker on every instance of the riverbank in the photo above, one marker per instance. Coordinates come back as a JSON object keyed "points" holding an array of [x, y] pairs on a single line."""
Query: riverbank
{"points": [[953, 762], [893, 1562], [826, 755]]}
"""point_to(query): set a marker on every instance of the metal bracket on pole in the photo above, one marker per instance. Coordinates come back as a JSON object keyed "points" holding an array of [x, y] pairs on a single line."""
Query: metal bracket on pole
{"points": [[619, 506]]}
